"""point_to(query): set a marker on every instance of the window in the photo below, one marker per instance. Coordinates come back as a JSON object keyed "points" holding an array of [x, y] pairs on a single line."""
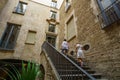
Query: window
{"points": [[70, 28], [106, 3], [51, 28], [9, 37], [21, 8], [110, 12], [54, 4], [51, 39], [67, 5], [53, 14], [31, 37]]}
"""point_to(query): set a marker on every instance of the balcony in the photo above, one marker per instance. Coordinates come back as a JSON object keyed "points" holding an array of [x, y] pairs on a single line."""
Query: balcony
{"points": [[110, 15]]}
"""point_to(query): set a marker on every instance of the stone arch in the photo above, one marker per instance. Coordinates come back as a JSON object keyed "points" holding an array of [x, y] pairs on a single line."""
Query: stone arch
{"points": [[42, 71], [4, 63]]}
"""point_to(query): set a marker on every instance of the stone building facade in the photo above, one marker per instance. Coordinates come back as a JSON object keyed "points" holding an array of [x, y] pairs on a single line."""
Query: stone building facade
{"points": [[76, 20], [2, 4], [33, 20], [103, 43]]}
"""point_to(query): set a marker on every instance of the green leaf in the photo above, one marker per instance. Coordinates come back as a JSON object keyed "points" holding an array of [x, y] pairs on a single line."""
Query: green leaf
{"points": [[28, 73]]}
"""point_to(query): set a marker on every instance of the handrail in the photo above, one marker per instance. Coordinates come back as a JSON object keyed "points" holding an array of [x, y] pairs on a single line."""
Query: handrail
{"points": [[82, 70], [54, 69]]}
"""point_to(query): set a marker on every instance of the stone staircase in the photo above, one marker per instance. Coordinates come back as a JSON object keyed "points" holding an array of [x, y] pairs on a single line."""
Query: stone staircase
{"points": [[67, 67], [98, 76], [70, 72]]}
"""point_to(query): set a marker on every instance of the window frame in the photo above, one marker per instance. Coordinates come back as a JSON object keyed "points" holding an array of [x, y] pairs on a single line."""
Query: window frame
{"points": [[67, 5], [53, 14], [52, 37], [11, 31], [17, 8], [31, 43], [54, 4], [53, 25]]}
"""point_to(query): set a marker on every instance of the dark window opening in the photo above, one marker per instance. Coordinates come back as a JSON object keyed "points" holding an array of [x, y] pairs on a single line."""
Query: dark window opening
{"points": [[72, 53], [53, 14], [86, 47], [51, 40], [51, 28], [9, 37]]}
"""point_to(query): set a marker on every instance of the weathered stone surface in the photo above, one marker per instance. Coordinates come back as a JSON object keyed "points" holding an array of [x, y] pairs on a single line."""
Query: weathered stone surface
{"points": [[104, 52], [2, 4], [49, 73], [34, 19]]}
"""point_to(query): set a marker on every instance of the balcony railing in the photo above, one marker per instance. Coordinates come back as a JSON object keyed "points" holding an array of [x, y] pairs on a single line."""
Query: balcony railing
{"points": [[109, 15]]}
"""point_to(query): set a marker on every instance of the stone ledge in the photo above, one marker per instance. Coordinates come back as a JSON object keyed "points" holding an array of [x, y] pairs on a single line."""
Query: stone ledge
{"points": [[6, 50]]}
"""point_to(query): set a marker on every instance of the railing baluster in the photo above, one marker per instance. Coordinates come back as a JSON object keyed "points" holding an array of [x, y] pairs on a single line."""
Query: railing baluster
{"points": [[65, 67]]}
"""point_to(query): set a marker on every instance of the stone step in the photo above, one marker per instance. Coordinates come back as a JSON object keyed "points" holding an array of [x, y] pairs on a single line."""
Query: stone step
{"points": [[70, 67], [73, 71], [78, 76], [69, 72], [96, 75], [90, 71], [101, 79]]}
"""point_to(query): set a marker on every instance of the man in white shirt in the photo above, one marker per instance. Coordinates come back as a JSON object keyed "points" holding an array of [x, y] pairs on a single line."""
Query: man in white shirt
{"points": [[65, 46]]}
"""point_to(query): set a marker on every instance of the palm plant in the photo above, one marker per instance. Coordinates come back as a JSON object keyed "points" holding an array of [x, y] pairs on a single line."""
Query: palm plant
{"points": [[29, 72]]}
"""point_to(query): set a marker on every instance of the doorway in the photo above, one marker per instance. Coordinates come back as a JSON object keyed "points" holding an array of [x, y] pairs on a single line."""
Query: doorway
{"points": [[51, 40]]}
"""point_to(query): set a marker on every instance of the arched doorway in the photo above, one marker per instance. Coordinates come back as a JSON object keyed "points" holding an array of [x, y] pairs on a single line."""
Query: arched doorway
{"points": [[12, 66], [8, 66], [42, 76]]}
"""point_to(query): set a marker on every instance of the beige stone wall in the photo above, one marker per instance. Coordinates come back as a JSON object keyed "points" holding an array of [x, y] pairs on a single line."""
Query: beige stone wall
{"points": [[34, 19], [49, 73], [2, 4], [104, 52], [64, 18]]}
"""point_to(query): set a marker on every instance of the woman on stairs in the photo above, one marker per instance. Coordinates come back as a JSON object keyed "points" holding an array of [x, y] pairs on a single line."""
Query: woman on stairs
{"points": [[80, 54]]}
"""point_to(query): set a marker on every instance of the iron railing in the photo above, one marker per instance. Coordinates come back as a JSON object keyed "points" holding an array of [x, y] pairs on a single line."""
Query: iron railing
{"points": [[66, 68], [109, 15]]}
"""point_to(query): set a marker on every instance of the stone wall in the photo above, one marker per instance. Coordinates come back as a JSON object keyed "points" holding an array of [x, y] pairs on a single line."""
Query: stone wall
{"points": [[2, 4], [49, 72], [64, 17], [104, 52], [34, 19]]}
